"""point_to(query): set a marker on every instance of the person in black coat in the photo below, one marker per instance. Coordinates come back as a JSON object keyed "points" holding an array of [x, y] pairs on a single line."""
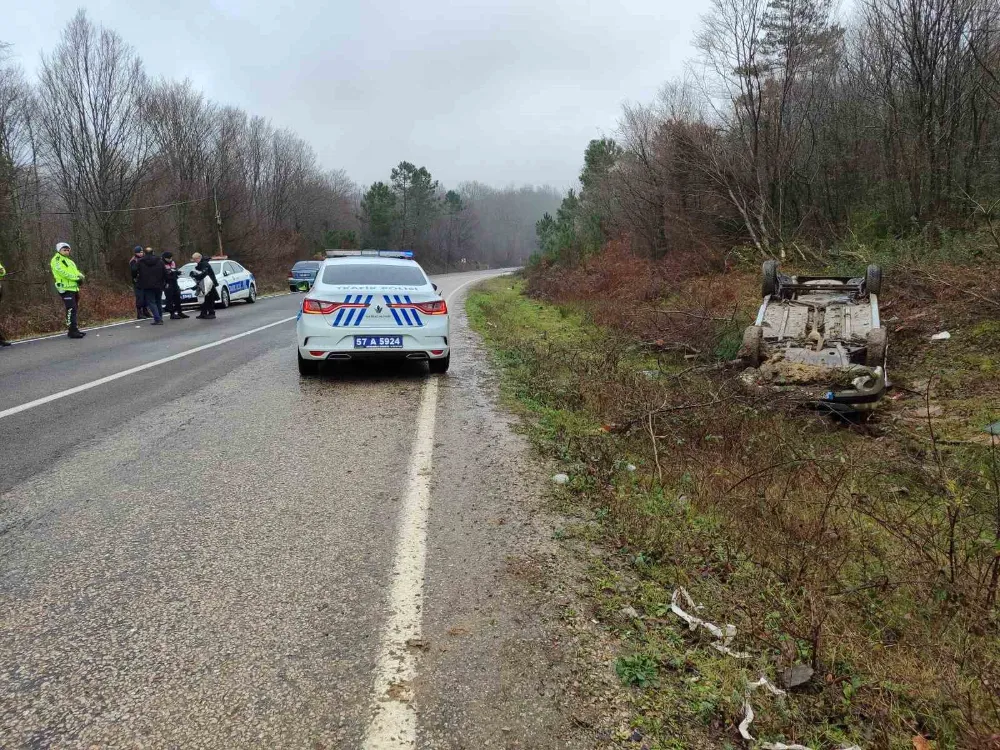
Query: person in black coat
{"points": [[201, 271], [140, 298], [151, 278], [173, 290]]}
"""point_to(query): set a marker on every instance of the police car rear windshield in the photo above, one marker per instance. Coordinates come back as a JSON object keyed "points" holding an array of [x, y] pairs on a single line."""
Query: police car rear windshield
{"points": [[373, 274]]}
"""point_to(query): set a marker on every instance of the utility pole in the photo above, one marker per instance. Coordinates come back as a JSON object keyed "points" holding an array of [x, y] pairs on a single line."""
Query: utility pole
{"points": [[218, 220]]}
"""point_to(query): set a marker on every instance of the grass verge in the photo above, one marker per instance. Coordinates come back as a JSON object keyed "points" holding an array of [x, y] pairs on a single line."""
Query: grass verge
{"points": [[866, 557]]}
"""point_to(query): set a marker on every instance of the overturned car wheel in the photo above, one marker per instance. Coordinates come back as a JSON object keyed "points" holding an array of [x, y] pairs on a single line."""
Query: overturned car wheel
{"points": [[873, 280], [769, 278], [751, 352], [876, 346]]}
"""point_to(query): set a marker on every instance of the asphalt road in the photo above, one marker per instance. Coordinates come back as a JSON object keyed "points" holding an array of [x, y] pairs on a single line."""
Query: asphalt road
{"points": [[214, 552]]}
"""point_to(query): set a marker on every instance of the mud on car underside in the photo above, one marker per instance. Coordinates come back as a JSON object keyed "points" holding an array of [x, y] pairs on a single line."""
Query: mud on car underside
{"points": [[820, 338]]}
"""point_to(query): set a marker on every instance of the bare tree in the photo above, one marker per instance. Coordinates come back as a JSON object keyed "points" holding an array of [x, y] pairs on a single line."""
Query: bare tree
{"points": [[92, 92]]}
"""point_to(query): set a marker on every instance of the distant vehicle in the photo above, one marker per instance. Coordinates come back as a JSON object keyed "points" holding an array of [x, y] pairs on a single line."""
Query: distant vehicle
{"points": [[235, 283], [821, 336], [303, 274], [372, 304]]}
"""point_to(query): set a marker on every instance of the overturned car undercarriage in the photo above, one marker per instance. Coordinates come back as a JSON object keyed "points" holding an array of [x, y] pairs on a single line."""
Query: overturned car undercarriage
{"points": [[819, 339]]}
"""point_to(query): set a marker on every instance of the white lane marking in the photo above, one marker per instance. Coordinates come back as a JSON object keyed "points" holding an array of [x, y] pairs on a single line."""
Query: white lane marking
{"points": [[48, 336], [394, 721], [133, 370], [394, 724]]}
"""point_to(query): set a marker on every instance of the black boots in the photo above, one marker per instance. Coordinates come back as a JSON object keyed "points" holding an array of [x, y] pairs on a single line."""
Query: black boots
{"points": [[76, 333]]}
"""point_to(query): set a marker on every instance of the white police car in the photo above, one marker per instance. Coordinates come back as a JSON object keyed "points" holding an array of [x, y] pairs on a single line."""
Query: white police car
{"points": [[235, 283], [372, 304]]}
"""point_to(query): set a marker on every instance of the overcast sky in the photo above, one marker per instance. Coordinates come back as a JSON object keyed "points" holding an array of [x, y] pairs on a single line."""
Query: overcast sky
{"points": [[502, 91]]}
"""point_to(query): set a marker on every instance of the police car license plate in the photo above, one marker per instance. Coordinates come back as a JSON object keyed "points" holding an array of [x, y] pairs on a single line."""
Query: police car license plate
{"points": [[378, 342], [188, 295]]}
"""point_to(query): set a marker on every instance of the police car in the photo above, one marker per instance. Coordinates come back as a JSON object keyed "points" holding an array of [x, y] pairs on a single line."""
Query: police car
{"points": [[372, 304], [235, 283]]}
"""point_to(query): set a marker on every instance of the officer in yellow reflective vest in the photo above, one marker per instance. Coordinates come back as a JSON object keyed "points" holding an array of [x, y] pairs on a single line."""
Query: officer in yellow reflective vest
{"points": [[3, 272], [68, 278]]}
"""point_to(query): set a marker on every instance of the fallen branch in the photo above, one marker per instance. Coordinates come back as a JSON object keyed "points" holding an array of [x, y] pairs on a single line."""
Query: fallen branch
{"points": [[967, 292]]}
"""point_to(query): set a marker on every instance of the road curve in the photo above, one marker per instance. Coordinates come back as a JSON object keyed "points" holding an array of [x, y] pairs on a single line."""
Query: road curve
{"points": [[215, 552]]}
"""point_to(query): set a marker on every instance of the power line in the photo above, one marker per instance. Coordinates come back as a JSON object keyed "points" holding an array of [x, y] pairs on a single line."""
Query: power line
{"points": [[122, 210]]}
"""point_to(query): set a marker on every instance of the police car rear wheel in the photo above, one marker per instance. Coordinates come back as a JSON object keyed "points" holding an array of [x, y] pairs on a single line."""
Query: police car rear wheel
{"points": [[440, 366], [252, 296], [224, 298], [307, 366]]}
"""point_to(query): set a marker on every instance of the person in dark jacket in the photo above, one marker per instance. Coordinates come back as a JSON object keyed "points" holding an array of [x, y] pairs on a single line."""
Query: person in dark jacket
{"points": [[152, 278], [173, 290], [201, 271], [141, 311], [3, 341]]}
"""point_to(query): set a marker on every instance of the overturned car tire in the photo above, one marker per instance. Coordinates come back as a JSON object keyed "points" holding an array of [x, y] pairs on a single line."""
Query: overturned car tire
{"points": [[769, 278], [876, 347], [873, 280], [751, 352]]}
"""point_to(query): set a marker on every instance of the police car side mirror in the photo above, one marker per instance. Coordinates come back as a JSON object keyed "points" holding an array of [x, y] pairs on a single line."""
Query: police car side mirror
{"points": [[435, 287]]}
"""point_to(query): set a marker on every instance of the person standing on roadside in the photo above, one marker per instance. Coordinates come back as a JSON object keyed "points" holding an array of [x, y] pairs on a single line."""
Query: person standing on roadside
{"points": [[151, 279], [141, 310], [173, 289], [203, 270], [3, 273], [68, 277]]}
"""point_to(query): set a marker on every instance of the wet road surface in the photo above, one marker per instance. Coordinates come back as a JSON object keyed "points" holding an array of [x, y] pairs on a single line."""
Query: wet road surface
{"points": [[215, 552]]}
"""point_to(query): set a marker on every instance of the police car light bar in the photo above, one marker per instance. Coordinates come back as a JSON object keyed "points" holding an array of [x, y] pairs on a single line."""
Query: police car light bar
{"points": [[408, 254]]}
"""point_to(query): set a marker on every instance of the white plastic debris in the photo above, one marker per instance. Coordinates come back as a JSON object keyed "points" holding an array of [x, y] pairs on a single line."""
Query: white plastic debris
{"points": [[943, 336], [630, 467], [748, 717], [561, 479], [724, 636]]}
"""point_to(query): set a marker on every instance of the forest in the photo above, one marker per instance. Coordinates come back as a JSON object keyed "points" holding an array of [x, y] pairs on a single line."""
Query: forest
{"points": [[98, 153]]}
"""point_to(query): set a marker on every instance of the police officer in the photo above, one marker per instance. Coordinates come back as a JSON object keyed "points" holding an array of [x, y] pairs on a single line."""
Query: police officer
{"points": [[173, 289], [141, 309], [3, 273], [68, 278]]}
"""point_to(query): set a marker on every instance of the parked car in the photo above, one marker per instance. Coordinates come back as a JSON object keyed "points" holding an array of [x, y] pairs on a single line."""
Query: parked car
{"points": [[821, 336], [302, 275], [235, 283], [373, 304]]}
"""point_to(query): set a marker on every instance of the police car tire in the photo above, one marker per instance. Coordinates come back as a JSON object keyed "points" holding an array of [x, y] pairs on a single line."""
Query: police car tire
{"points": [[440, 366], [307, 366], [224, 298], [252, 295]]}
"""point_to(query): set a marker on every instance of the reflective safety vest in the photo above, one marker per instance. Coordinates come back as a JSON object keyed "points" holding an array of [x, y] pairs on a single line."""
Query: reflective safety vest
{"points": [[66, 274]]}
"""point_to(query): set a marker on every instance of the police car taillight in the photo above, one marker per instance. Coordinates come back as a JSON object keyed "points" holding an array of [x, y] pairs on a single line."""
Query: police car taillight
{"points": [[437, 307], [322, 307]]}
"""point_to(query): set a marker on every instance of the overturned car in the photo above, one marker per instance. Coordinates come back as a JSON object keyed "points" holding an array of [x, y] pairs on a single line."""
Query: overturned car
{"points": [[820, 338]]}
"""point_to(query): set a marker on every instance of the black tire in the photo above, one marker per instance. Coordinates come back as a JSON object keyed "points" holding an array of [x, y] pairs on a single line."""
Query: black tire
{"points": [[307, 367], [752, 350], [252, 297], [224, 298], [876, 346], [769, 278], [440, 366], [873, 279]]}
